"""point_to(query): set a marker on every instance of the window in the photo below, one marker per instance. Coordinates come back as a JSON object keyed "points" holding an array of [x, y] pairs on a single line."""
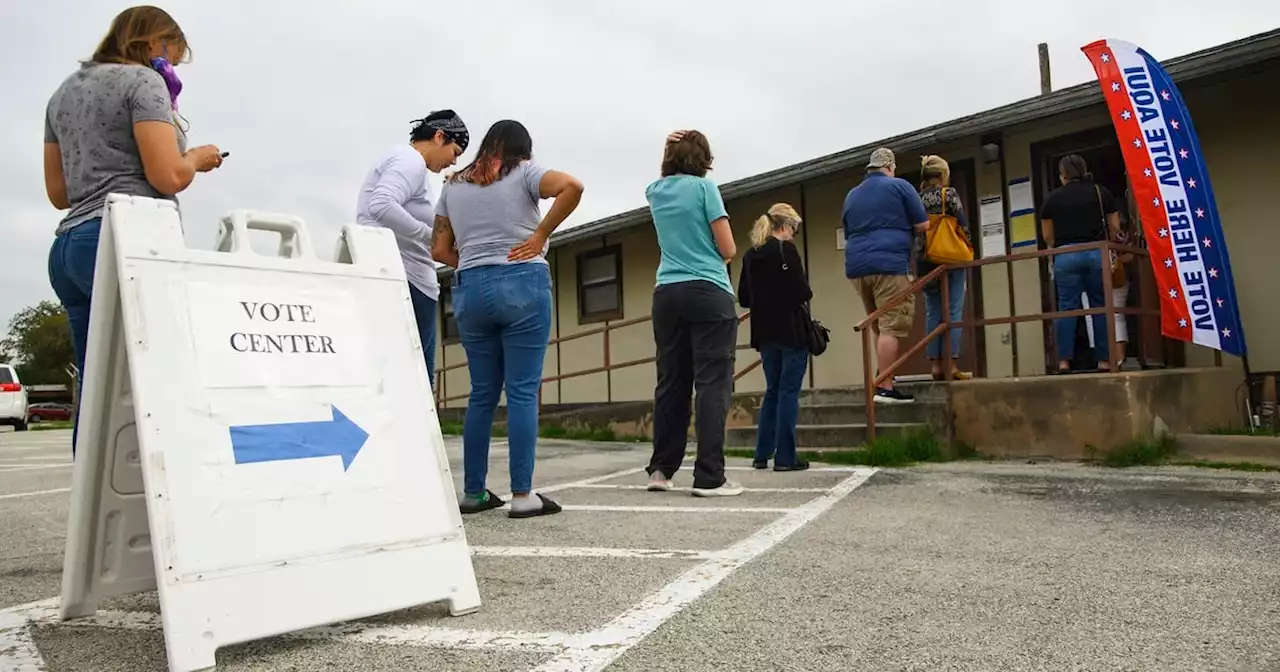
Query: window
{"points": [[600, 285], [448, 325]]}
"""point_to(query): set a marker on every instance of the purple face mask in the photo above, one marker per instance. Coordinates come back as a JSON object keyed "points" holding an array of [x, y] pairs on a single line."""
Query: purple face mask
{"points": [[162, 66]]}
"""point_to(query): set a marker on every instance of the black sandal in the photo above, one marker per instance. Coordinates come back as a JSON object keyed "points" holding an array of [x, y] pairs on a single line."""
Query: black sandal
{"points": [[548, 508], [490, 503]]}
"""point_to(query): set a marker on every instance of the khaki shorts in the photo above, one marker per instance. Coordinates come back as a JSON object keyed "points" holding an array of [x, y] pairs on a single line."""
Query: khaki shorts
{"points": [[876, 291]]}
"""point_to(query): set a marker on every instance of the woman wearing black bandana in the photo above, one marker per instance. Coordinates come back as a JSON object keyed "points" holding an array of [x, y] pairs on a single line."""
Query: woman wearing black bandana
{"points": [[396, 195]]}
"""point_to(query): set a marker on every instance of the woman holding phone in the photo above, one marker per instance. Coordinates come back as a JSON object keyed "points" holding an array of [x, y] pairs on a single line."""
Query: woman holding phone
{"points": [[112, 127]]}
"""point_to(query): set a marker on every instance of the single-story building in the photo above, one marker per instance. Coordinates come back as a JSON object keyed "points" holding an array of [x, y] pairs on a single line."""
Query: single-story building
{"points": [[1005, 158]]}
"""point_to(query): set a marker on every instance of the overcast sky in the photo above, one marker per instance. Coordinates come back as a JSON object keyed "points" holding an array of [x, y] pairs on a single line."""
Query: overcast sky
{"points": [[305, 95]]}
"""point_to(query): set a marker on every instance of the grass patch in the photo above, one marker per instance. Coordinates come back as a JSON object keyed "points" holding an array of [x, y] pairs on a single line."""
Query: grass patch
{"points": [[1138, 452], [1235, 431], [450, 428], [1234, 466], [46, 426], [886, 451]]}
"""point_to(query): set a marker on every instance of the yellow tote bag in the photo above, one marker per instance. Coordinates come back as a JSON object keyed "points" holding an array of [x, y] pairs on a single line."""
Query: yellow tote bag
{"points": [[945, 242]]}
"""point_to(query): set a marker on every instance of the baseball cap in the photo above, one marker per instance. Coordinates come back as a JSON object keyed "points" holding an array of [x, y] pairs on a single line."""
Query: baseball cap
{"points": [[881, 158]]}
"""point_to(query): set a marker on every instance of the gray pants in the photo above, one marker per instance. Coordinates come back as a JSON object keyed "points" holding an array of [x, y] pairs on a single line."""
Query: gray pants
{"points": [[695, 329]]}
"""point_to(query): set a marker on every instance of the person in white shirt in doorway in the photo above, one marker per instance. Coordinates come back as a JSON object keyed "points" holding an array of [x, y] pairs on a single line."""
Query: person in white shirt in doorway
{"points": [[396, 195]]}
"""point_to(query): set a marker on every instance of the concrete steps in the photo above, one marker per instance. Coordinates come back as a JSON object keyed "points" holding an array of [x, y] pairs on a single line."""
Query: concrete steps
{"points": [[836, 418]]}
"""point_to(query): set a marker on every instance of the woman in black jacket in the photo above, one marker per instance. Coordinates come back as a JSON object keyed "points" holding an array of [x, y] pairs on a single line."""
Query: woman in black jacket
{"points": [[774, 287]]}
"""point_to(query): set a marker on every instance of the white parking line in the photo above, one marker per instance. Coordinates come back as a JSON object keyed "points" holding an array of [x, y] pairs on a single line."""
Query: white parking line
{"points": [[676, 509], [599, 649], [588, 552], [33, 467], [588, 652], [36, 493], [614, 486]]}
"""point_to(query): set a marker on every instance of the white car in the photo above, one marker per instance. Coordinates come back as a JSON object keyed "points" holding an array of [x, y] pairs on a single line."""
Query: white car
{"points": [[13, 399]]}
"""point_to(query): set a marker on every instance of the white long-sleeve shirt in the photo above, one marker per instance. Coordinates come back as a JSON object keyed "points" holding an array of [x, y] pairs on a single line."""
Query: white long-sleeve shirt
{"points": [[396, 195]]}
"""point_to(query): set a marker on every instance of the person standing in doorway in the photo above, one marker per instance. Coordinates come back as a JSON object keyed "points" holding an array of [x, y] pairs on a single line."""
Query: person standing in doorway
{"points": [[396, 195], [881, 217], [1076, 213], [939, 197], [774, 288], [112, 127], [695, 323], [489, 227]]}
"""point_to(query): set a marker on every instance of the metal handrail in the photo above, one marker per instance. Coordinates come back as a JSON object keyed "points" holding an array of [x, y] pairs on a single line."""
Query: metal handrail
{"points": [[442, 396], [866, 327]]}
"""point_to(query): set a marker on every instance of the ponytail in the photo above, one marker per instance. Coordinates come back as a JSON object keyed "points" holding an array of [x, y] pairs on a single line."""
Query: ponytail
{"points": [[779, 216]]}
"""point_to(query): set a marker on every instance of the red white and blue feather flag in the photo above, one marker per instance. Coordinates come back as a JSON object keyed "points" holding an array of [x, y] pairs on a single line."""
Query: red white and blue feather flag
{"points": [[1170, 185]]}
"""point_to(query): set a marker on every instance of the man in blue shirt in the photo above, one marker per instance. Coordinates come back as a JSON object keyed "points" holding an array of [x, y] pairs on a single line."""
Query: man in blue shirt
{"points": [[881, 217]]}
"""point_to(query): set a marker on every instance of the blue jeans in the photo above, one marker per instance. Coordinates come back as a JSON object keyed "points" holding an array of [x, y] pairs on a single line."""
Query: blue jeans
{"points": [[1076, 273], [783, 376], [504, 319], [71, 262], [424, 312], [955, 312]]}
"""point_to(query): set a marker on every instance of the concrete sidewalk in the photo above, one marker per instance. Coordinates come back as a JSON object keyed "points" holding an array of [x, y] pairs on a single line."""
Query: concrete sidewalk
{"points": [[969, 566]]}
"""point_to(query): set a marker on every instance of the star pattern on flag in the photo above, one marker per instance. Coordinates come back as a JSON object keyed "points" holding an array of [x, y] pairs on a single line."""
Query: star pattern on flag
{"points": [[1155, 202], [1164, 94], [1213, 273], [1207, 242], [1164, 233], [1226, 333], [1175, 124], [1126, 115], [1168, 263], [1106, 58], [1221, 302], [1137, 143], [1115, 86], [1191, 183], [1184, 153], [1173, 293], [1182, 323], [1200, 213], [1146, 172]]}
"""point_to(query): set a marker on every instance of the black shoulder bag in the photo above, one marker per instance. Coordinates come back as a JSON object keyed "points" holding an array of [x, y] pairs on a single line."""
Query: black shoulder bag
{"points": [[816, 336]]}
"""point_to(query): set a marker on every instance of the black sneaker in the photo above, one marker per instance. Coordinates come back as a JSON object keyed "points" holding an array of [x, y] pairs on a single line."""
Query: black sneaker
{"points": [[800, 465], [892, 396], [760, 464]]}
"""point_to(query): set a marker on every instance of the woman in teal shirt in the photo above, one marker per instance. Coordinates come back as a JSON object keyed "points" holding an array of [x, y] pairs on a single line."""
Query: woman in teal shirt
{"points": [[695, 322]]}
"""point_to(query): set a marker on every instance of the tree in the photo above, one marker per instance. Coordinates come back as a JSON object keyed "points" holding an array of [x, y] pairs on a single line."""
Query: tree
{"points": [[39, 344]]}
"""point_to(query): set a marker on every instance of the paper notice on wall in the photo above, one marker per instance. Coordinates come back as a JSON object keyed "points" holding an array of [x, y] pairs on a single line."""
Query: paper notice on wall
{"points": [[1021, 197], [992, 219]]}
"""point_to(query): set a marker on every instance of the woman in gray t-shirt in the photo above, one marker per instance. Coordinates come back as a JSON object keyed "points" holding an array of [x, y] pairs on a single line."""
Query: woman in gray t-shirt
{"points": [[489, 227], [110, 128]]}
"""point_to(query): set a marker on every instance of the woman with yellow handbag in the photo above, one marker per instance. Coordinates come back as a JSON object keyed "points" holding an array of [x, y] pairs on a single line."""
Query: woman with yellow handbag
{"points": [[945, 242]]}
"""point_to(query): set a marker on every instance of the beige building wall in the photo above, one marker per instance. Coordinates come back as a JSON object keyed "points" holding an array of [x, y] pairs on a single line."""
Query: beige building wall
{"points": [[1234, 118], [1236, 122]]}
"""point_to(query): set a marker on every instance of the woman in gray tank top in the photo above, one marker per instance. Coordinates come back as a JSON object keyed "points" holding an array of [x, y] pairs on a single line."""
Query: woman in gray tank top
{"points": [[489, 227], [110, 128]]}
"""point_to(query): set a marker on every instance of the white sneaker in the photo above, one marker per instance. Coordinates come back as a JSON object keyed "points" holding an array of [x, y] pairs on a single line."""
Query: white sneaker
{"points": [[658, 482], [726, 489]]}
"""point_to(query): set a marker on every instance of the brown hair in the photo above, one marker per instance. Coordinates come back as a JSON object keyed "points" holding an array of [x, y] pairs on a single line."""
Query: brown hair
{"points": [[691, 155], [129, 38]]}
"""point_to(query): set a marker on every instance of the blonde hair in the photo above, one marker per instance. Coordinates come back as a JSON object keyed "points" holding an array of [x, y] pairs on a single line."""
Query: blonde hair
{"points": [[934, 171], [129, 38], [778, 216]]}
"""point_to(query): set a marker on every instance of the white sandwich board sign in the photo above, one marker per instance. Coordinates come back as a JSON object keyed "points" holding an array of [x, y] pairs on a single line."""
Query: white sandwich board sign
{"points": [[258, 438]]}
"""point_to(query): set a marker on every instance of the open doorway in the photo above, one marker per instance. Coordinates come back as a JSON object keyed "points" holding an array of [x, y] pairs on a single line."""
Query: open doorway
{"points": [[1101, 151]]}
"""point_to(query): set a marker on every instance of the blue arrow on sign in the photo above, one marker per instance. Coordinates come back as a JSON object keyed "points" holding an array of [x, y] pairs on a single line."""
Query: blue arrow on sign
{"points": [[299, 440]]}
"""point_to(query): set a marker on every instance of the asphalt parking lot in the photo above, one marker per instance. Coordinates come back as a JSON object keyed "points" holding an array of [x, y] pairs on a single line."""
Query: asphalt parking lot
{"points": [[967, 566]]}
